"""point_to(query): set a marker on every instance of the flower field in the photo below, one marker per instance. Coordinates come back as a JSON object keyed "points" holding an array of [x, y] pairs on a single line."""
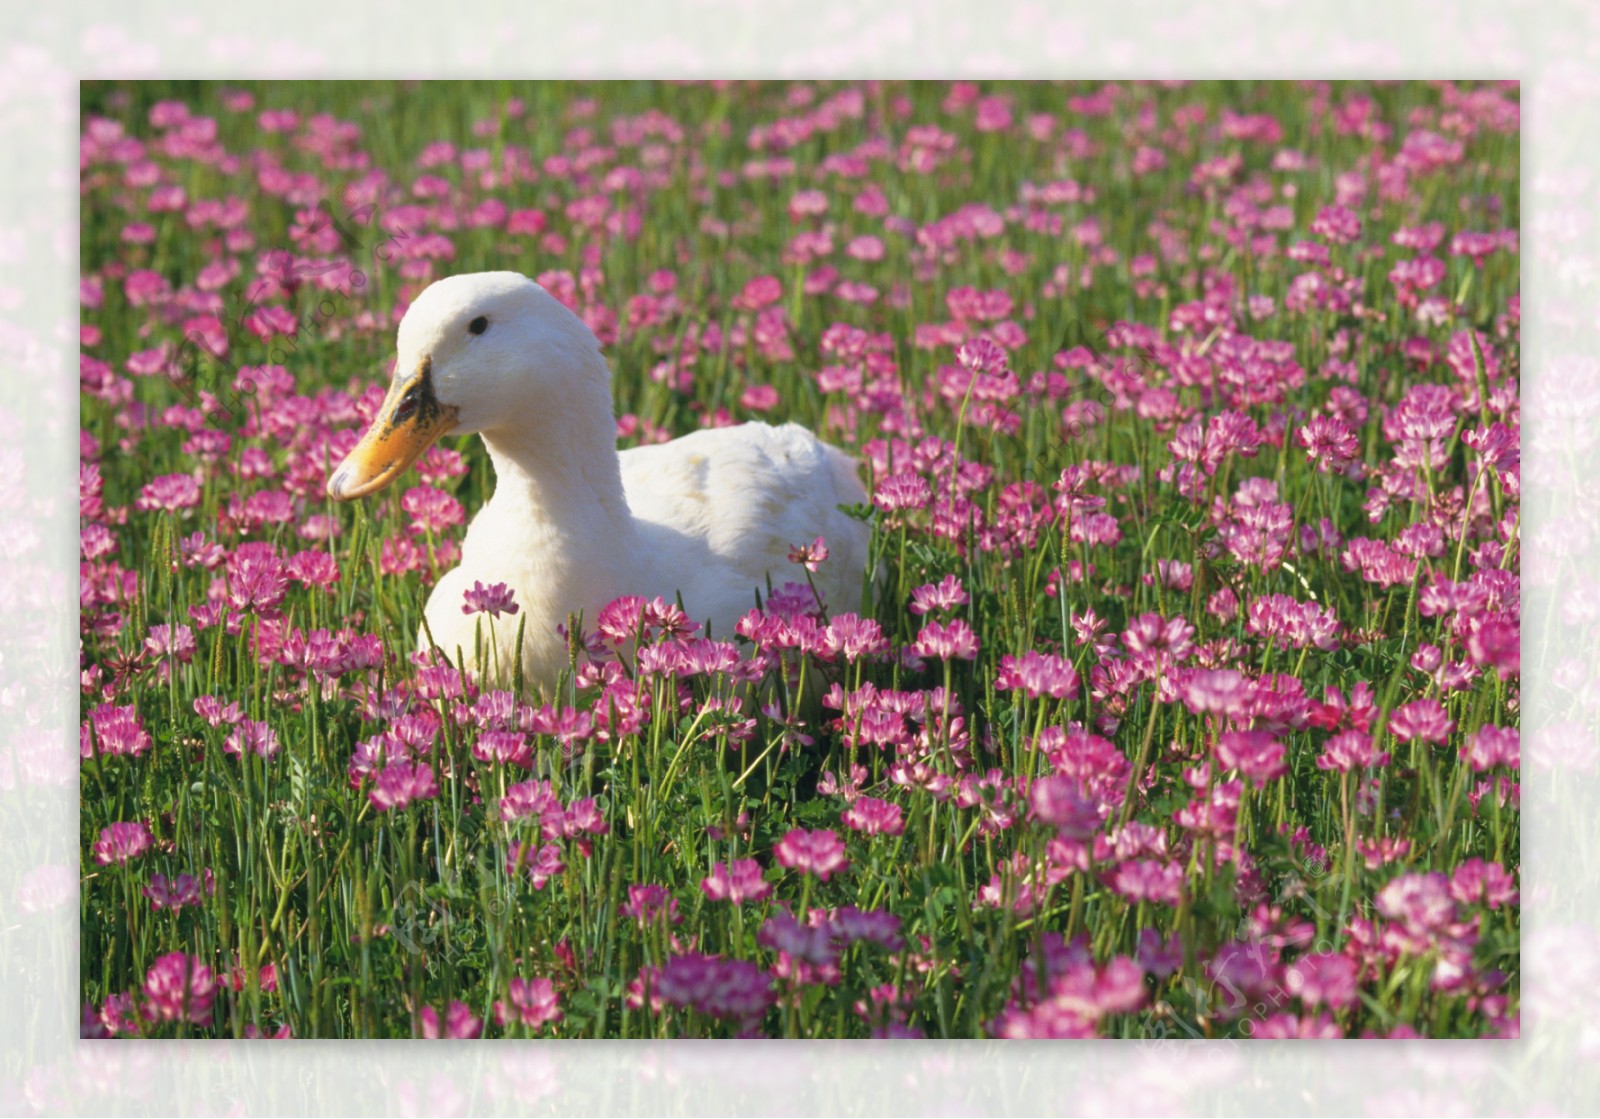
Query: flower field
{"points": [[1181, 697]]}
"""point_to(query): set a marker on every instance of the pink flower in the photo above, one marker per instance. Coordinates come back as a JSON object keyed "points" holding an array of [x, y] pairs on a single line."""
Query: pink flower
{"points": [[431, 510], [1077, 996], [1222, 691], [808, 203], [503, 747], [1495, 642], [880, 726], [1147, 880], [120, 1016], [1059, 801], [762, 291], [1476, 882], [1293, 623], [1160, 958], [526, 221], [878, 926], [1037, 674], [1322, 979], [759, 398], [812, 555], [1157, 640], [1350, 750], [144, 286], [531, 1002], [807, 951], [905, 490], [178, 987], [170, 493], [1245, 973], [1490, 746], [121, 843], [255, 579], [117, 730], [1329, 443], [1255, 754], [580, 818], [527, 798], [439, 681], [1424, 238], [715, 987], [946, 594], [646, 902], [1336, 224], [1288, 1027], [812, 852], [1420, 902], [738, 881], [183, 890], [266, 507], [872, 816], [853, 637], [1422, 719], [981, 355], [400, 783], [1496, 445], [567, 725], [212, 710], [1358, 711], [399, 555], [313, 569], [539, 867], [92, 1026], [623, 619], [500, 710], [257, 738], [278, 120], [171, 642], [493, 600], [459, 1022], [955, 641]]}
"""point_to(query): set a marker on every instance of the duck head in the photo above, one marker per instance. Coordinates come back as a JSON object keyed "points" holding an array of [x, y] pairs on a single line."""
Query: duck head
{"points": [[481, 352]]}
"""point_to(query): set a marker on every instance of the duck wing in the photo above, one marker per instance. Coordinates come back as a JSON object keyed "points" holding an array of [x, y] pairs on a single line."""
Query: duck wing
{"points": [[719, 510]]}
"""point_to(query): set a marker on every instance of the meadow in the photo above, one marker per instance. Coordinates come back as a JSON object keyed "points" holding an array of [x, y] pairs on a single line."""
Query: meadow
{"points": [[1181, 699]]}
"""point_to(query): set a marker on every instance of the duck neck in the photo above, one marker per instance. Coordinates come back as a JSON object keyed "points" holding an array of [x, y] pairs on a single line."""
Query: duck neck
{"points": [[557, 471]]}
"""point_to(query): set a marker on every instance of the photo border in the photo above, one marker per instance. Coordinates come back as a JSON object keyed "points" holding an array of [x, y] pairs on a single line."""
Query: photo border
{"points": [[44, 1068]]}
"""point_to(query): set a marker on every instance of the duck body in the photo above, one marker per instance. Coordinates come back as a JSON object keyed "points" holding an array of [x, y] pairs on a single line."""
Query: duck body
{"points": [[709, 518]]}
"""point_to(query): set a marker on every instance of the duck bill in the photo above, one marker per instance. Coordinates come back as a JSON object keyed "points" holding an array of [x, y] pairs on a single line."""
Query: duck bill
{"points": [[410, 421]]}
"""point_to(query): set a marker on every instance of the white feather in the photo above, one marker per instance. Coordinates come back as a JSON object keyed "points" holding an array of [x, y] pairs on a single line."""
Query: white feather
{"points": [[572, 524]]}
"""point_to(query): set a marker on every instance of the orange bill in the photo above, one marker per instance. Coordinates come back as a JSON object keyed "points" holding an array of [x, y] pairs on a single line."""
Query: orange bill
{"points": [[409, 422]]}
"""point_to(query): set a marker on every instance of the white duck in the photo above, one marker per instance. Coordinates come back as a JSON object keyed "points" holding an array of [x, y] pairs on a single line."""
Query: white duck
{"points": [[573, 524]]}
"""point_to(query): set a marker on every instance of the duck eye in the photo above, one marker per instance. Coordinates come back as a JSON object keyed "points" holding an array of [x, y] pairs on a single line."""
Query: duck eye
{"points": [[478, 325], [407, 406]]}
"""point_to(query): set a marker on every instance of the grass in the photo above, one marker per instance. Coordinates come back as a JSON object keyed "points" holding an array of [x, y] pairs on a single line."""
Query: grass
{"points": [[994, 909]]}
